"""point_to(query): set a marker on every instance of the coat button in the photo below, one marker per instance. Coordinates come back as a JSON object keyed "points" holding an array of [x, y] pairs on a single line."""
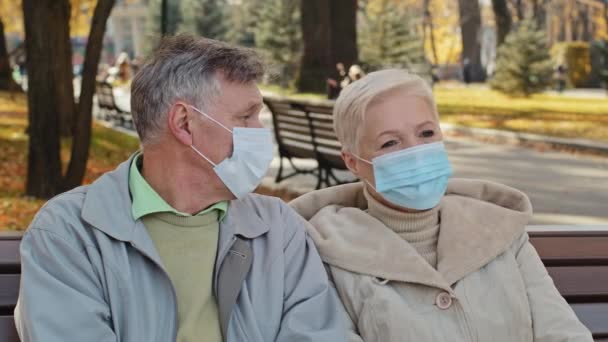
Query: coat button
{"points": [[443, 301]]}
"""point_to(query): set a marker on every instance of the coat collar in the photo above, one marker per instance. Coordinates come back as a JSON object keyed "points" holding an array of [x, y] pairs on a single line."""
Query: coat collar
{"points": [[479, 221], [107, 207]]}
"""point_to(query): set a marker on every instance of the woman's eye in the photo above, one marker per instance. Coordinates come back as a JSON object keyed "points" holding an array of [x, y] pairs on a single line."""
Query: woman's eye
{"points": [[427, 134], [389, 144]]}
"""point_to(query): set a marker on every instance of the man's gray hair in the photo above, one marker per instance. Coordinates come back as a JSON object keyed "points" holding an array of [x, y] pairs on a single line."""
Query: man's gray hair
{"points": [[185, 67]]}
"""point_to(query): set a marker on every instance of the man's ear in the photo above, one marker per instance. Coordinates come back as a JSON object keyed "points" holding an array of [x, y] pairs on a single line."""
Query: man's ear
{"points": [[179, 123], [352, 163]]}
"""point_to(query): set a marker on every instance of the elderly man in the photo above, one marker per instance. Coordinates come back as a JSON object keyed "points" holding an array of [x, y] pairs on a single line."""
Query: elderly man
{"points": [[171, 246]]}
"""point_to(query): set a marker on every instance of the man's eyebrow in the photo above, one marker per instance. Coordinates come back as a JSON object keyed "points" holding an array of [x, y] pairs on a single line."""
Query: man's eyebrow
{"points": [[252, 106]]}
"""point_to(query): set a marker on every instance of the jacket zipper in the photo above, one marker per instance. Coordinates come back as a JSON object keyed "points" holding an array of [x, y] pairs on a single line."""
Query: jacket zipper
{"points": [[164, 272]]}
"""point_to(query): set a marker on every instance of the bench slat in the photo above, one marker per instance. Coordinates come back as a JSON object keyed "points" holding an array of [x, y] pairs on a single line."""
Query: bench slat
{"points": [[9, 255], [594, 316], [571, 251], [581, 283], [8, 332], [292, 113], [323, 119], [326, 110], [297, 149], [9, 292], [323, 124], [292, 120], [297, 137], [290, 127]]}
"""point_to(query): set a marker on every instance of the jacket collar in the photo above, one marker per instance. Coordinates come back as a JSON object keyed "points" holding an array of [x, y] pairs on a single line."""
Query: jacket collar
{"points": [[477, 231], [107, 207], [479, 221]]}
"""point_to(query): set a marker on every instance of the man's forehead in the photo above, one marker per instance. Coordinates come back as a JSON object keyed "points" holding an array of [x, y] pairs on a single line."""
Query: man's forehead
{"points": [[240, 103], [240, 99]]}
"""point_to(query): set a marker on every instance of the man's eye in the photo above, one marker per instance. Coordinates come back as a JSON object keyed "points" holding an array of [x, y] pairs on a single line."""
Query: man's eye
{"points": [[428, 134], [389, 144]]}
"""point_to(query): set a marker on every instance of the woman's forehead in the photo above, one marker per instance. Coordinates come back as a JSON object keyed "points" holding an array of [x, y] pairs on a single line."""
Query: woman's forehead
{"points": [[398, 111]]}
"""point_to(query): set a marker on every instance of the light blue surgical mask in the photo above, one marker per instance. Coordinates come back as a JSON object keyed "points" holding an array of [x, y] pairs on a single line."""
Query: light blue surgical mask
{"points": [[414, 178], [252, 154]]}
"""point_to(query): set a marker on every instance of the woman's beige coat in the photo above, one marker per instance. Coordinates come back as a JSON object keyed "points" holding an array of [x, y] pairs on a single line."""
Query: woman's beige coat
{"points": [[490, 284]]}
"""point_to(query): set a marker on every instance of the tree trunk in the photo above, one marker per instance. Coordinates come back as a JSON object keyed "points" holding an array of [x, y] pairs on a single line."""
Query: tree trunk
{"points": [[606, 15], [343, 26], [64, 80], [568, 27], [503, 20], [316, 52], [586, 18], [49, 67], [46, 35], [540, 13], [82, 133], [6, 78], [519, 8], [470, 24], [164, 17]]}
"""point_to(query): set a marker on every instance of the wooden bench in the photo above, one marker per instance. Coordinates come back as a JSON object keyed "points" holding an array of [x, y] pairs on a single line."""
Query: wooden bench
{"points": [[577, 261], [10, 270], [304, 129], [108, 110]]}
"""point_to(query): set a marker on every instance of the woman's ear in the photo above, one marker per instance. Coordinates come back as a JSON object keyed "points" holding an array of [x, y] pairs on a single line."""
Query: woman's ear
{"points": [[352, 163], [179, 123]]}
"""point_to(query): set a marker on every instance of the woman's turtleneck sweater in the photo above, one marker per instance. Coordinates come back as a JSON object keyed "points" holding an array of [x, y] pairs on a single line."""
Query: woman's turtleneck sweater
{"points": [[421, 229]]}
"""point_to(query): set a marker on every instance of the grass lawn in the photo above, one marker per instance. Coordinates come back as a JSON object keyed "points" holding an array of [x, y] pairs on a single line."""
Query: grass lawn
{"points": [[480, 107], [553, 115], [108, 149]]}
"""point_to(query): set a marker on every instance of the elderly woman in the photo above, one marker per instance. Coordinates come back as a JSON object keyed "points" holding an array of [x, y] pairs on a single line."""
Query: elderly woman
{"points": [[414, 255]]}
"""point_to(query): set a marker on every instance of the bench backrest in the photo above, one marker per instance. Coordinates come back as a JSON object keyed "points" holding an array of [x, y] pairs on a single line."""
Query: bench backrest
{"points": [[327, 146], [578, 263], [304, 129], [105, 95], [576, 260], [10, 270], [291, 129]]}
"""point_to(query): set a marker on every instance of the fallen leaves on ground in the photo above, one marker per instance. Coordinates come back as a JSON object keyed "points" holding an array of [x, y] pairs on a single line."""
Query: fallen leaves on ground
{"points": [[108, 149]]}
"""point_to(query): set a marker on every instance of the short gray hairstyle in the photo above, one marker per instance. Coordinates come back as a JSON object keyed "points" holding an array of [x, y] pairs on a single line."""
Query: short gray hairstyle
{"points": [[351, 106], [185, 67]]}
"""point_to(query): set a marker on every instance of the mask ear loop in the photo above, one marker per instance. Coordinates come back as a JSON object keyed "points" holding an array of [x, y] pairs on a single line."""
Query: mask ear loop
{"points": [[202, 155], [370, 163], [217, 122], [212, 119]]}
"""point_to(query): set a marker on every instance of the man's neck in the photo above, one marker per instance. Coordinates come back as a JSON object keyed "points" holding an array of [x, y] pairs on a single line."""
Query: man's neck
{"points": [[182, 185]]}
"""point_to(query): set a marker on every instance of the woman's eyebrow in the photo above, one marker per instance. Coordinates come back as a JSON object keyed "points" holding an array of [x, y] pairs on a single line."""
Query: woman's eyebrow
{"points": [[425, 123]]}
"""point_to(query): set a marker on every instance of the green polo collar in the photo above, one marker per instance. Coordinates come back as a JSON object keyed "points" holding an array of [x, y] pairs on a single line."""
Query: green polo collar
{"points": [[147, 201]]}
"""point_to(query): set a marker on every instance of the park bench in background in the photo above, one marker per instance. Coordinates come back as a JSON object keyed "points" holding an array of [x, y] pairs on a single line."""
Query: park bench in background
{"points": [[304, 129], [108, 110], [576, 258]]}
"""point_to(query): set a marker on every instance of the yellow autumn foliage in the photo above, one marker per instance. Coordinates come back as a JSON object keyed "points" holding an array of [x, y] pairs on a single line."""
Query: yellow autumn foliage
{"points": [[11, 14]]}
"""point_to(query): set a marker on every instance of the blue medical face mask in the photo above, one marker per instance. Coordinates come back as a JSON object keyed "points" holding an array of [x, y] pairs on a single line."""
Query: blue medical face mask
{"points": [[414, 178], [252, 154]]}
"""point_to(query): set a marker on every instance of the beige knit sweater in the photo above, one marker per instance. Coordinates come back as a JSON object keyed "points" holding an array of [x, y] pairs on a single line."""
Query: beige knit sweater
{"points": [[420, 229]]}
